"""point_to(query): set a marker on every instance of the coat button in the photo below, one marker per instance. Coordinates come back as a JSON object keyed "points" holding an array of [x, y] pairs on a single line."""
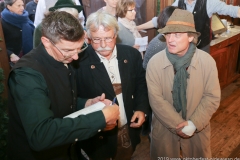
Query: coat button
{"points": [[92, 67], [125, 61], [76, 139], [71, 106], [100, 137]]}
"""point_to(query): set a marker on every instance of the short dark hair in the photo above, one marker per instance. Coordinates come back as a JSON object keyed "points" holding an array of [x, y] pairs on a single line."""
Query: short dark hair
{"points": [[61, 25], [122, 7], [9, 2], [164, 16]]}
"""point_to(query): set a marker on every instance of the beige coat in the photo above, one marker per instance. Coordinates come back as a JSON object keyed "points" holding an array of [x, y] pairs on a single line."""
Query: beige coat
{"points": [[203, 98]]}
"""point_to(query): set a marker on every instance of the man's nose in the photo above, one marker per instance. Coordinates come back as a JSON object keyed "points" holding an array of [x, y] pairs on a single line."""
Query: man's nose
{"points": [[75, 56], [103, 43]]}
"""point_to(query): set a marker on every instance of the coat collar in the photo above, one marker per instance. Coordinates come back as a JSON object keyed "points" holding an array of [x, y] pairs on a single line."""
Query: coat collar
{"points": [[167, 63]]}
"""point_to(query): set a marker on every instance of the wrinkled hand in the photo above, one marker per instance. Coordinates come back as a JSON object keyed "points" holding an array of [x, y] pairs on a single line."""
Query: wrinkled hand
{"points": [[141, 118], [14, 58], [111, 114], [98, 99], [179, 128]]}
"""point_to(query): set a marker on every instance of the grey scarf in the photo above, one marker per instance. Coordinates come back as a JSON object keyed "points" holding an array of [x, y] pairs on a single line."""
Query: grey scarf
{"points": [[180, 65]]}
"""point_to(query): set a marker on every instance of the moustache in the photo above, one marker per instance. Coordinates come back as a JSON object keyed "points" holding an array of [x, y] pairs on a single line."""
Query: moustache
{"points": [[104, 49]]}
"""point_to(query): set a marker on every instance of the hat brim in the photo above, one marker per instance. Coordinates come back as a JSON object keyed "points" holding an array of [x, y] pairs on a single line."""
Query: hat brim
{"points": [[180, 29], [79, 8]]}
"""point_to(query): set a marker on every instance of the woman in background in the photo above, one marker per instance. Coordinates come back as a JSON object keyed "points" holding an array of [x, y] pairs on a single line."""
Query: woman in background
{"points": [[17, 29], [126, 13], [110, 7]]}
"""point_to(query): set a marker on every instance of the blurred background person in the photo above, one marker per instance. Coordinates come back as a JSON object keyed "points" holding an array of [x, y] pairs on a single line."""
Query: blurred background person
{"points": [[2, 6], [127, 27], [156, 45], [31, 8], [110, 7], [61, 5], [17, 29], [44, 5]]}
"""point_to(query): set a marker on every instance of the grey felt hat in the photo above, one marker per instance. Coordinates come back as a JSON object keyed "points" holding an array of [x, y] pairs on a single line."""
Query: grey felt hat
{"points": [[180, 21]]}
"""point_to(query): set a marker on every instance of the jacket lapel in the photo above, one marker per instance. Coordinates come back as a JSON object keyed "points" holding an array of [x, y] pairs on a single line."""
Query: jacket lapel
{"points": [[99, 73], [123, 65]]}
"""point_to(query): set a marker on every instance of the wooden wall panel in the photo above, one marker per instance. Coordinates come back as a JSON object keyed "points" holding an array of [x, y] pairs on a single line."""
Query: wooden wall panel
{"points": [[4, 63]]}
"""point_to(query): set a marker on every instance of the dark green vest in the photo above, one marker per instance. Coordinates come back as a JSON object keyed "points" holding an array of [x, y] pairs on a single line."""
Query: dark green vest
{"points": [[61, 92]]}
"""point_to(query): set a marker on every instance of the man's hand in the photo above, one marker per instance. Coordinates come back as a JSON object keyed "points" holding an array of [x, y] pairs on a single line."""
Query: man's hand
{"points": [[14, 58], [179, 128], [111, 114], [140, 117], [98, 99], [136, 46]]}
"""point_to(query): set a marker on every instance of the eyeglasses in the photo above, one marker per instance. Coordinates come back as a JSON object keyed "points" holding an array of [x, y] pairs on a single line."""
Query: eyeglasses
{"points": [[106, 39], [70, 53], [132, 10], [176, 35]]}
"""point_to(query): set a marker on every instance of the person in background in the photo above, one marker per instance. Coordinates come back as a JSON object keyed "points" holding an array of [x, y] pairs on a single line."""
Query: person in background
{"points": [[17, 29], [158, 43], [31, 8], [184, 92], [43, 7], [116, 70], [42, 91], [2, 6], [110, 7], [127, 27], [60, 5], [202, 11]]}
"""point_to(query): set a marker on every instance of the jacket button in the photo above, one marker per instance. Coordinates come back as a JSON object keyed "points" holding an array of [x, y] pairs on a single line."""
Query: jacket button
{"points": [[71, 106], [125, 61], [100, 137], [92, 67]]}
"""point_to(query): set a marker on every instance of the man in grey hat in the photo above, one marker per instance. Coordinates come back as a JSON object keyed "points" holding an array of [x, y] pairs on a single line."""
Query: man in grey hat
{"points": [[184, 92]]}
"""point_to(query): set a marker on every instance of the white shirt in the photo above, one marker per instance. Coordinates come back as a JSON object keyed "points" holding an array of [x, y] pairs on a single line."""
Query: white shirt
{"points": [[111, 66], [44, 5]]}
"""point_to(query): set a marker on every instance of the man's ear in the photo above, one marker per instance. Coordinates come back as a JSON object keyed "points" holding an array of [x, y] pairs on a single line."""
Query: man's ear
{"points": [[45, 42], [190, 39]]}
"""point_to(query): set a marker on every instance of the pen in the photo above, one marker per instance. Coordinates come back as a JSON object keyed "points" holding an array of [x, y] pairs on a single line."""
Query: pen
{"points": [[114, 100]]}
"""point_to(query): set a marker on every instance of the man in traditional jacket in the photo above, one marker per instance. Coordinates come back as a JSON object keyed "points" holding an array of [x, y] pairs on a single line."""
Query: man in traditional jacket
{"points": [[116, 70], [42, 91]]}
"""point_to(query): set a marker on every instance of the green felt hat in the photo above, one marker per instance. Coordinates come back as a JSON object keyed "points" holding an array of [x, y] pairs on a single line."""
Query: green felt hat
{"points": [[65, 4]]}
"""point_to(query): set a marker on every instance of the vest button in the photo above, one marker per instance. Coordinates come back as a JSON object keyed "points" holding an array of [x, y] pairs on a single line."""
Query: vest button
{"points": [[100, 137]]}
